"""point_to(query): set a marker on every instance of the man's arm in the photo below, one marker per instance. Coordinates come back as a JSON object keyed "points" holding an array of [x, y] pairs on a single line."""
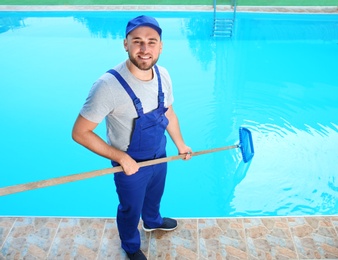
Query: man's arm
{"points": [[83, 133], [174, 131]]}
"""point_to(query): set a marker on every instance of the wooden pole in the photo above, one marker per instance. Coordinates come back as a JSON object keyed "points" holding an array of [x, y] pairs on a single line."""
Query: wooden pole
{"points": [[86, 175]]}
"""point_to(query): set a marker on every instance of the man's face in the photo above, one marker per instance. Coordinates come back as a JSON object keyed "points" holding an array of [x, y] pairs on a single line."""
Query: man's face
{"points": [[144, 46]]}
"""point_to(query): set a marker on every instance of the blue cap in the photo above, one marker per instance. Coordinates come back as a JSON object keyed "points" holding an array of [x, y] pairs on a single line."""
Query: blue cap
{"points": [[143, 21]]}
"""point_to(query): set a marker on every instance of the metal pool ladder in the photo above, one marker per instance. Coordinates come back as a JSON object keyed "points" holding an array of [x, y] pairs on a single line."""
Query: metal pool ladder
{"points": [[223, 27]]}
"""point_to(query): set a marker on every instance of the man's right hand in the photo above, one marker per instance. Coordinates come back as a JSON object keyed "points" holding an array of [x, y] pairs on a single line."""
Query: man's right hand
{"points": [[83, 133], [128, 164]]}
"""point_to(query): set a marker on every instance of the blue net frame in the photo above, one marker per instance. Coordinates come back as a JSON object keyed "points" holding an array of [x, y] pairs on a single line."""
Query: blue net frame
{"points": [[246, 144]]}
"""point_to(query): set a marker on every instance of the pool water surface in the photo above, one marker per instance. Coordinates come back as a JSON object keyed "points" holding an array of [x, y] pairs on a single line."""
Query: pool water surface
{"points": [[276, 76]]}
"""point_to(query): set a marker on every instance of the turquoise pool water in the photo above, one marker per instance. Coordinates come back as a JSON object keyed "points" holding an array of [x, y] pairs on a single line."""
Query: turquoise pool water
{"points": [[277, 76]]}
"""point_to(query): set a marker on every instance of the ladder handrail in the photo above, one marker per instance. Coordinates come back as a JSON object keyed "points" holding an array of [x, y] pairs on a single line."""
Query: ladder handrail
{"points": [[234, 4], [215, 8]]}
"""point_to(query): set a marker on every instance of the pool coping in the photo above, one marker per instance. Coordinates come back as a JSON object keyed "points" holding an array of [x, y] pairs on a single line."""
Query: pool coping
{"points": [[263, 9]]}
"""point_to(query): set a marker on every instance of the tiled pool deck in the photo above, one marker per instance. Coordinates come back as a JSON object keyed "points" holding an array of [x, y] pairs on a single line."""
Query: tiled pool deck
{"points": [[226, 238]]}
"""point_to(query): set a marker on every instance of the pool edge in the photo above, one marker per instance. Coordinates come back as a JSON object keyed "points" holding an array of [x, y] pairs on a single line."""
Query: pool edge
{"points": [[263, 9]]}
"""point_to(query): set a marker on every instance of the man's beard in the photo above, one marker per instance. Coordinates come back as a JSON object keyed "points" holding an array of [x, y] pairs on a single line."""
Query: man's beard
{"points": [[142, 65]]}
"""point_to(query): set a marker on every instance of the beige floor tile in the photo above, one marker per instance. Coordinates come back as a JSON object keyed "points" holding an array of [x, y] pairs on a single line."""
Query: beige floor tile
{"points": [[334, 221], [269, 238], [111, 244], [78, 237], [234, 238], [315, 237], [222, 239], [178, 244], [6, 224], [30, 238]]}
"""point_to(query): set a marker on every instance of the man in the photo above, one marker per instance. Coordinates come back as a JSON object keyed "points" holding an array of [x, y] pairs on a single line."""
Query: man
{"points": [[136, 100]]}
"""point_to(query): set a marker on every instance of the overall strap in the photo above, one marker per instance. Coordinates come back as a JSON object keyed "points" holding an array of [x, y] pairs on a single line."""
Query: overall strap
{"points": [[125, 85], [160, 92]]}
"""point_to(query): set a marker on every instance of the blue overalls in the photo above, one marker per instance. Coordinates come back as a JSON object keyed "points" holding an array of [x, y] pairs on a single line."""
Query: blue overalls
{"points": [[141, 193]]}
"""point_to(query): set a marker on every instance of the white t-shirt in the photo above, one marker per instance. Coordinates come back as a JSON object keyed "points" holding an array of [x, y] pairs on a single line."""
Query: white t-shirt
{"points": [[108, 99]]}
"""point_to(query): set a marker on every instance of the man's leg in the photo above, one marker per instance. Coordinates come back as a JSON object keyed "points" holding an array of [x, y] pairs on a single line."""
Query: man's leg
{"points": [[131, 191], [151, 206]]}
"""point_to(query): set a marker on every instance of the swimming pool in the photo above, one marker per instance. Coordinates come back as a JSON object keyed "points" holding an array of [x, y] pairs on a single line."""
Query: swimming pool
{"points": [[276, 76]]}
